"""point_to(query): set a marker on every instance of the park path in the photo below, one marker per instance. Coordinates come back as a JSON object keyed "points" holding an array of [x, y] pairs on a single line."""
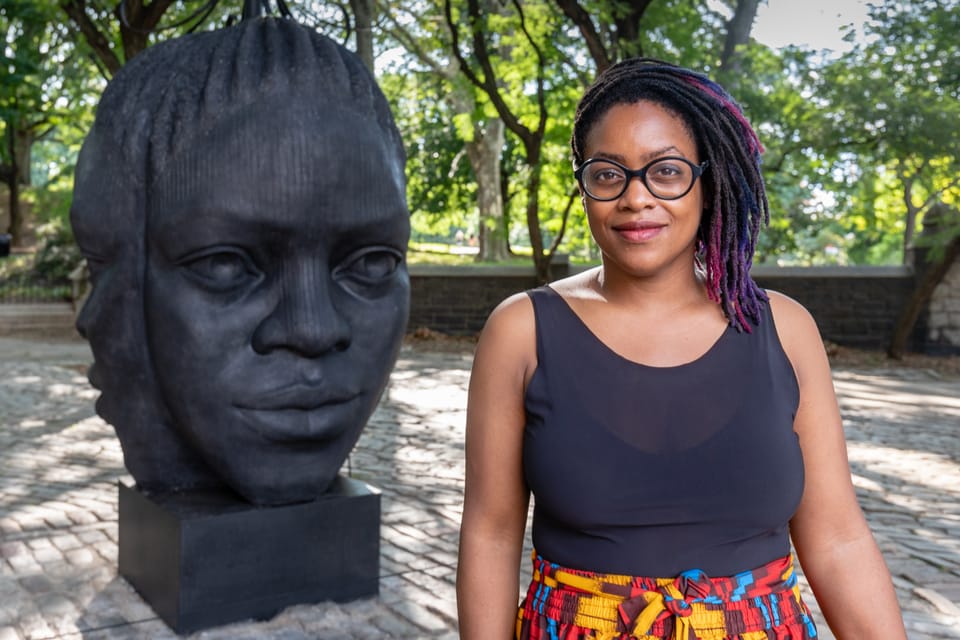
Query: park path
{"points": [[59, 465]]}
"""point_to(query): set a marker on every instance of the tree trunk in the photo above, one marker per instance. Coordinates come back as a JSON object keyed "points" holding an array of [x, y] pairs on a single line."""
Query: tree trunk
{"points": [[932, 277], [908, 177], [532, 139], [363, 20], [22, 144], [13, 188], [628, 20], [19, 140], [738, 34], [910, 226], [484, 153], [16, 216], [541, 260], [136, 18]]}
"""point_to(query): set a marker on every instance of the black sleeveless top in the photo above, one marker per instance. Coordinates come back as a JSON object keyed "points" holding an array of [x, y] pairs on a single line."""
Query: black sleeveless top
{"points": [[651, 471]]}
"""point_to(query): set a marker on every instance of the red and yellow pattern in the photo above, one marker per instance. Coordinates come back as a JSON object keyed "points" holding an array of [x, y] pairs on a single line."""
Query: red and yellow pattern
{"points": [[566, 604]]}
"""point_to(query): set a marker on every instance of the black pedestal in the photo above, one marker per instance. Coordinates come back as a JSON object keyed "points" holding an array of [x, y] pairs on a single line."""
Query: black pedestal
{"points": [[203, 559]]}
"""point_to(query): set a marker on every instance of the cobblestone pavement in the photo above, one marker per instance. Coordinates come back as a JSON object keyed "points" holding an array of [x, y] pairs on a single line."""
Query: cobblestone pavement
{"points": [[59, 465]]}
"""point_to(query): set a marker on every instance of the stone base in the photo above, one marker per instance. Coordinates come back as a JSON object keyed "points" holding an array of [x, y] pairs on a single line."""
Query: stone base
{"points": [[207, 558]]}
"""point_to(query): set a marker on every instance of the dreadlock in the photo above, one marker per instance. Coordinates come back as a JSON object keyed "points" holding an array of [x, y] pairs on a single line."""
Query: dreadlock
{"points": [[733, 184]]}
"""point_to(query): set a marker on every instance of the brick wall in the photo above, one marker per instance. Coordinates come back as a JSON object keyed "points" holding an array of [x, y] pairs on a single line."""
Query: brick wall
{"points": [[855, 306]]}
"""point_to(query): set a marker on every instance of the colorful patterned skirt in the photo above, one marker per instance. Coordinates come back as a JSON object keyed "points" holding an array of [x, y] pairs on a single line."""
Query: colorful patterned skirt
{"points": [[566, 604]]}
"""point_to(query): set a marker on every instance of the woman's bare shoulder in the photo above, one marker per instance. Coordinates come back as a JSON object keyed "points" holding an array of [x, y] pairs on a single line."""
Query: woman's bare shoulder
{"points": [[798, 335], [577, 286], [792, 318], [513, 314], [508, 339]]}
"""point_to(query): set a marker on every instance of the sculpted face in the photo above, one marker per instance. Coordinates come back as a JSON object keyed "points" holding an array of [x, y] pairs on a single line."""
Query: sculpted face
{"points": [[106, 225], [276, 292]]}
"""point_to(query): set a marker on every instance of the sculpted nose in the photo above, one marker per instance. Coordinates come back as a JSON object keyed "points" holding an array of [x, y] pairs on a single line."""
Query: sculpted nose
{"points": [[305, 319]]}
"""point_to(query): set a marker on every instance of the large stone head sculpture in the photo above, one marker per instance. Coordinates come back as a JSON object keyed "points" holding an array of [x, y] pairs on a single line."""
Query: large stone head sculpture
{"points": [[240, 201]]}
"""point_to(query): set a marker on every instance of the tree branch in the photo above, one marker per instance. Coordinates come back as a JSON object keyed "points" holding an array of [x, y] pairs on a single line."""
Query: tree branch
{"points": [[150, 17], [138, 21], [935, 195], [541, 64], [412, 45], [76, 11], [628, 27], [488, 84], [573, 10], [738, 33], [563, 224]]}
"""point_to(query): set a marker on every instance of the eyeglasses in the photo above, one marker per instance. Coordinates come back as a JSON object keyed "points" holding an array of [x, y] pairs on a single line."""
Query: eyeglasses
{"points": [[666, 178]]}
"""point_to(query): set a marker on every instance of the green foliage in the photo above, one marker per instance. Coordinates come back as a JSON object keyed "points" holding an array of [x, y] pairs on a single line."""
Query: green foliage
{"points": [[894, 101], [58, 254], [853, 142], [440, 189], [44, 275]]}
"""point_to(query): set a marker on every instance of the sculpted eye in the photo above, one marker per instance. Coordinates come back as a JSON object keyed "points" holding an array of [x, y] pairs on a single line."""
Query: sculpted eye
{"points": [[366, 271], [221, 270]]}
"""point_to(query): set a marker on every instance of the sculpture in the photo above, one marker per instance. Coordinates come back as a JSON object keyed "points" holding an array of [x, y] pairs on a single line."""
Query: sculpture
{"points": [[240, 201]]}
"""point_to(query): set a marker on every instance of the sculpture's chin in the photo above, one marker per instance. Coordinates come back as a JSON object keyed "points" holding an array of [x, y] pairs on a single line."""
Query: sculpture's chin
{"points": [[284, 489]]}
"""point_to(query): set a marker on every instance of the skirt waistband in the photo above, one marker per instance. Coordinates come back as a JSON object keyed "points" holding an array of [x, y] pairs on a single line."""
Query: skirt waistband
{"points": [[692, 605]]}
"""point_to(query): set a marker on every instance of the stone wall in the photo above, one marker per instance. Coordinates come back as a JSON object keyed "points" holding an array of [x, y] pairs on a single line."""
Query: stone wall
{"points": [[855, 306], [943, 322]]}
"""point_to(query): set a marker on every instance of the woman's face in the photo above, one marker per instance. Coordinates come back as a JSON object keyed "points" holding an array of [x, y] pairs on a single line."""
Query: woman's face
{"points": [[638, 233], [277, 294]]}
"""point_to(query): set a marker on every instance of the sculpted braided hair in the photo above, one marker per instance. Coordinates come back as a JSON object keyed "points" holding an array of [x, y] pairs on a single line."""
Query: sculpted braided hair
{"points": [[733, 185]]}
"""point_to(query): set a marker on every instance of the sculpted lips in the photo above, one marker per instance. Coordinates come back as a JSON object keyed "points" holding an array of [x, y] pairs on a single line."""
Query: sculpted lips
{"points": [[639, 230], [299, 412]]}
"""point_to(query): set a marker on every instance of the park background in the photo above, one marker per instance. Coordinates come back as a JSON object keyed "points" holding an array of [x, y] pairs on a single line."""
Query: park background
{"points": [[861, 148], [856, 103]]}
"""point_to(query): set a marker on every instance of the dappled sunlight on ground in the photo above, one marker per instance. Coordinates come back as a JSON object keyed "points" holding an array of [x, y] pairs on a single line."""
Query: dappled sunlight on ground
{"points": [[59, 465]]}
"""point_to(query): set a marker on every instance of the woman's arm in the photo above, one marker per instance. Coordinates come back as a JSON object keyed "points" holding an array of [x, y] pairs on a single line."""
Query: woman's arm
{"points": [[495, 495], [838, 554]]}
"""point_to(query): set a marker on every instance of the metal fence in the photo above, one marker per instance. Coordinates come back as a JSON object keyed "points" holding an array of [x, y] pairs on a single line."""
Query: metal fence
{"points": [[26, 288]]}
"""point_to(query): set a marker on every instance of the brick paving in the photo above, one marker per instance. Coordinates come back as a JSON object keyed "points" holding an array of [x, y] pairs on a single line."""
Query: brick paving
{"points": [[59, 465]]}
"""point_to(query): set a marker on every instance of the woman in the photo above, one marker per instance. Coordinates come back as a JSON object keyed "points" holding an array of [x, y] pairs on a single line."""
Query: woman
{"points": [[676, 424]]}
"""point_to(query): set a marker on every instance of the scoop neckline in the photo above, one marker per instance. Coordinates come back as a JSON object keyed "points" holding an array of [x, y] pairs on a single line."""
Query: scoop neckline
{"points": [[714, 346]]}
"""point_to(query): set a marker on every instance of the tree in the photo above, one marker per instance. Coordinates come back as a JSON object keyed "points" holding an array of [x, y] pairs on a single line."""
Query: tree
{"points": [[530, 131], [943, 229], [429, 44], [363, 12], [47, 89], [898, 94], [901, 90], [136, 20], [550, 55], [615, 34], [738, 34]]}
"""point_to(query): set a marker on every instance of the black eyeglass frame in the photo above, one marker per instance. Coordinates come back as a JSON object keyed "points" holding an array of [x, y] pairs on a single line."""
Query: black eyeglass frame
{"points": [[641, 173]]}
